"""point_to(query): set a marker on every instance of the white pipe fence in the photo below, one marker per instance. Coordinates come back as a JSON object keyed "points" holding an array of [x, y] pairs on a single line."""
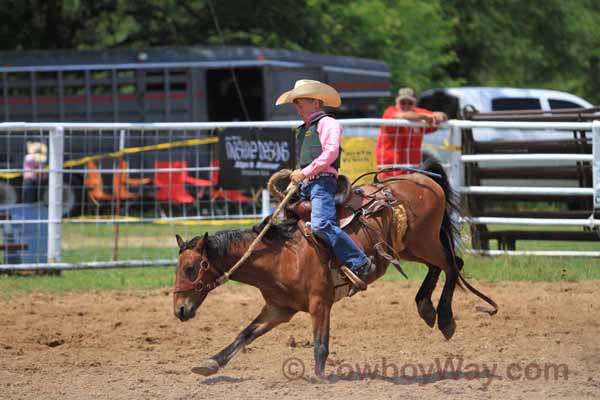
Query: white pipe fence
{"points": [[589, 222], [354, 128], [535, 253], [527, 190], [526, 157]]}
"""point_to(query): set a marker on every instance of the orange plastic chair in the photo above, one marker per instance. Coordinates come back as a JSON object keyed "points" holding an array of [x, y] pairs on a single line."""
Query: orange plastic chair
{"points": [[171, 184], [121, 180], [226, 194], [93, 181]]}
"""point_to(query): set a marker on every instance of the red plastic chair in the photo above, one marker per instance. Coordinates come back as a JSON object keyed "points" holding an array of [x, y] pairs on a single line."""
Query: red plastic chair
{"points": [[223, 194], [171, 184]]}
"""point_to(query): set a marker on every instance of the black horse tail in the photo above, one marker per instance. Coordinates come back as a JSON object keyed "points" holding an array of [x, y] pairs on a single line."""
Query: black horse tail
{"points": [[450, 229]]}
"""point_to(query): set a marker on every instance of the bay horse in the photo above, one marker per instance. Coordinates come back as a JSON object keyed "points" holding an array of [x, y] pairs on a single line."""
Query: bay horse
{"points": [[293, 273]]}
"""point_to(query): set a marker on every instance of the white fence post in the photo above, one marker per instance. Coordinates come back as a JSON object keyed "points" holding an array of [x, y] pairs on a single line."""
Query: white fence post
{"points": [[457, 174], [457, 170], [596, 162], [266, 203], [55, 193]]}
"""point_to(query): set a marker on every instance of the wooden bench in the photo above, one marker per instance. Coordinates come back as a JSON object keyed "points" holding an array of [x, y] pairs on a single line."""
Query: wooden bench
{"points": [[10, 247], [507, 239]]}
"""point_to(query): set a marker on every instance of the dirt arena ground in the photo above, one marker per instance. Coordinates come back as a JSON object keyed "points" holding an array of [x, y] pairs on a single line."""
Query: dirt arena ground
{"points": [[542, 344]]}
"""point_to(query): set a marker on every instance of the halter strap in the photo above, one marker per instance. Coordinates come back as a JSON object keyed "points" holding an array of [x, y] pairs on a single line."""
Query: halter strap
{"points": [[183, 284]]}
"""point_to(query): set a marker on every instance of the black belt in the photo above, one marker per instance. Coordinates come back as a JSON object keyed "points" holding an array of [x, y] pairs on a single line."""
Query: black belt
{"points": [[320, 174]]}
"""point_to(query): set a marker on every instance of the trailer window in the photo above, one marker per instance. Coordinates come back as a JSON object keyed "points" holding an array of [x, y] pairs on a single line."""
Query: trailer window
{"points": [[224, 100], [562, 104], [515, 103]]}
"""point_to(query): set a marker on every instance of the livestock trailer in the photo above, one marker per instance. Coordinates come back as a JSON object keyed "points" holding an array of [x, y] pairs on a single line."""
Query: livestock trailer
{"points": [[170, 84]]}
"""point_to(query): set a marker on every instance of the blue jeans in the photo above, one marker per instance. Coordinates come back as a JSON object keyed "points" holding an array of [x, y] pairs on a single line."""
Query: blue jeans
{"points": [[320, 192]]}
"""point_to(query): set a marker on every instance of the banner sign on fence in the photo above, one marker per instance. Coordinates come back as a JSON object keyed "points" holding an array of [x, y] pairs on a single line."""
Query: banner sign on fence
{"points": [[247, 159], [358, 157]]}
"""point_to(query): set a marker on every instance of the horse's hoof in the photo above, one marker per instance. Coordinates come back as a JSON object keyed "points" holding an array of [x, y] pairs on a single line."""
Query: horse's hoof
{"points": [[427, 312], [318, 380], [208, 367], [448, 329]]}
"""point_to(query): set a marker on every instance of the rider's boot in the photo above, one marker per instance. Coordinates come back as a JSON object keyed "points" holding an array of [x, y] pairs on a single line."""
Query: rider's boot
{"points": [[359, 277]]}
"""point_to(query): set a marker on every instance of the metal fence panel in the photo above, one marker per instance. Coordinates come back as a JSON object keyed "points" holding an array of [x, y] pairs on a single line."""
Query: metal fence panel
{"points": [[115, 194]]}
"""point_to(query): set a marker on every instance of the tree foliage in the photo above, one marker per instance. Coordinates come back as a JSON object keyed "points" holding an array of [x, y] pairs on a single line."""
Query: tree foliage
{"points": [[549, 44], [426, 43]]}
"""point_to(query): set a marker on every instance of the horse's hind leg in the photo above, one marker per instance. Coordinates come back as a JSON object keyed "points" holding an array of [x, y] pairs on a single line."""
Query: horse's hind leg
{"points": [[269, 317], [436, 256], [446, 322], [423, 298]]}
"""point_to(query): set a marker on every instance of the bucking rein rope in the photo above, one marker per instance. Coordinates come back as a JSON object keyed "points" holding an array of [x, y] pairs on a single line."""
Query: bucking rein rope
{"points": [[291, 189]]}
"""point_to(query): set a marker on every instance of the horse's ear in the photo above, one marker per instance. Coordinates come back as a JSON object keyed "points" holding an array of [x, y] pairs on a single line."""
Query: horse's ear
{"points": [[180, 241], [204, 241]]}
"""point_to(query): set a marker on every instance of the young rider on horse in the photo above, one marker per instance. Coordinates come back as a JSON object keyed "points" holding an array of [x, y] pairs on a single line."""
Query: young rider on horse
{"points": [[318, 160]]}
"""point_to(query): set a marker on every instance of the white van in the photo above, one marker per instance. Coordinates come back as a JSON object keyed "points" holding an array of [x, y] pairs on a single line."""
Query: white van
{"points": [[453, 101]]}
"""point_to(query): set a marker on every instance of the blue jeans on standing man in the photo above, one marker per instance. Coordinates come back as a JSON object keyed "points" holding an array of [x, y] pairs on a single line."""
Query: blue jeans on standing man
{"points": [[321, 191]]}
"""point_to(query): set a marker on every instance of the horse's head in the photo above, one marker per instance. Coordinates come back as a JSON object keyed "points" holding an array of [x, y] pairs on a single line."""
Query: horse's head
{"points": [[194, 277]]}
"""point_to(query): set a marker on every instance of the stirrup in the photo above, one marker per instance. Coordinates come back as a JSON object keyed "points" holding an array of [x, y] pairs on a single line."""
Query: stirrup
{"points": [[353, 278]]}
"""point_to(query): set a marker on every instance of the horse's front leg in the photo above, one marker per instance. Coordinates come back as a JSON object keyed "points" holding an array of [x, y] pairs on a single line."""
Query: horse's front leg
{"points": [[320, 311], [269, 317]]}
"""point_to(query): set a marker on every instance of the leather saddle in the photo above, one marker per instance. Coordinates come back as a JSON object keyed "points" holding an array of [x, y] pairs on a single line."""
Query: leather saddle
{"points": [[351, 202], [360, 200]]}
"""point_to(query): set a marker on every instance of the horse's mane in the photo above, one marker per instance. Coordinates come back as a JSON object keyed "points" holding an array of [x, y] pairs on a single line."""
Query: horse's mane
{"points": [[220, 243], [282, 231]]}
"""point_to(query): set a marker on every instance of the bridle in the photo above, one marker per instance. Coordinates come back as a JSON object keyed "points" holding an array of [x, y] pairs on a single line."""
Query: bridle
{"points": [[183, 284]]}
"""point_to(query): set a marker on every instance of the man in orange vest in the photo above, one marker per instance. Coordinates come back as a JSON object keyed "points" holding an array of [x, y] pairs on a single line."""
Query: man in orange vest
{"points": [[402, 145]]}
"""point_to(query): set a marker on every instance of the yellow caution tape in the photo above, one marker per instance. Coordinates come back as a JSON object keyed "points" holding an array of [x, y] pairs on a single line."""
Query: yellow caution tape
{"points": [[134, 150], [10, 175], [446, 146], [129, 150], [212, 222], [180, 143], [101, 217]]}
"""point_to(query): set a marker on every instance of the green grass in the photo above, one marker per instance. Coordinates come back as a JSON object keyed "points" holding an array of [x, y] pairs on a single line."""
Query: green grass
{"points": [[93, 242], [149, 241], [89, 280], [495, 269]]}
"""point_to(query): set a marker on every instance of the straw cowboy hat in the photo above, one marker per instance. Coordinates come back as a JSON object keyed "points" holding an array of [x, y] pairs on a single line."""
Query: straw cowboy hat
{"points": [[38, 150], [406, 93], [306, 88]]}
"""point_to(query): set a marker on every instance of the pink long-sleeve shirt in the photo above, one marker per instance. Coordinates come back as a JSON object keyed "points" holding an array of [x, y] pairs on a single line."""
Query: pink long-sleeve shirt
{"points": [[33, 169], [330, 135]]}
